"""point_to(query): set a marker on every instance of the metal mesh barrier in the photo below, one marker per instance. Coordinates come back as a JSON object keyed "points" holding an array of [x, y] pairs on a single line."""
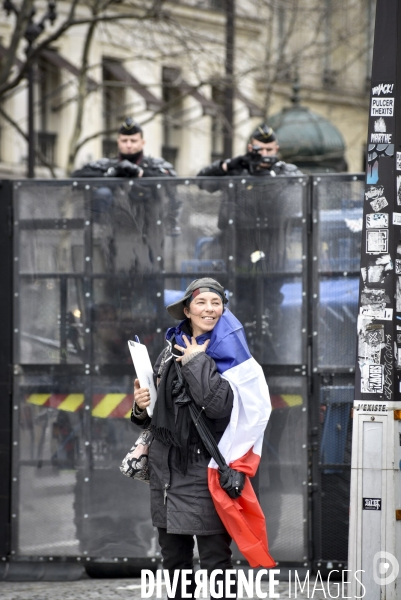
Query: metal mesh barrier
{"points": [[96, 263], [335, 457], [283, 472], [337, 216], [336, 256]]}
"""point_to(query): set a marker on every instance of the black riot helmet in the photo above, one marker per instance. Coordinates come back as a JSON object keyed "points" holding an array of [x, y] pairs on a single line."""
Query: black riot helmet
{"points": [[263, 133], [129, 127]]}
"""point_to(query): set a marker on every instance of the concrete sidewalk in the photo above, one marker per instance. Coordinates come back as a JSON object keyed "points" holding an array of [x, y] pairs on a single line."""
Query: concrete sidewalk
{"points": [[124, 589]]}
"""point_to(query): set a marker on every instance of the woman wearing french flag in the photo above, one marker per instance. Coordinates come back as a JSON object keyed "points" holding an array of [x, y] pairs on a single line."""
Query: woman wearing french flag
{"points": [[207, 362]]}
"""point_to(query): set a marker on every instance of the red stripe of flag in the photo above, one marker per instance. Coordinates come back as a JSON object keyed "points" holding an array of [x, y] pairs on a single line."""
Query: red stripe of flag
{"points": [[243, 517]]}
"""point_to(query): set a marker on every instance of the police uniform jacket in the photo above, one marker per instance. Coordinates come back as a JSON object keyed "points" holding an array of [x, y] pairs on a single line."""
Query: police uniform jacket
{"points": [[279, 168], [151, 166]]}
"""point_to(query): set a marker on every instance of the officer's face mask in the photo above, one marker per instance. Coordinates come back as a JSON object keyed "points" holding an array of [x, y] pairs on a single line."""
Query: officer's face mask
{"points": [[131, 157], [265, 154]]}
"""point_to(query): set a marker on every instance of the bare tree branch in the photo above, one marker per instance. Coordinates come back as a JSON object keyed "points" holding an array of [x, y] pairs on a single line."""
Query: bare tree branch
{"points": [[22, 133], [81, 91], [71, 22], [22, 17]]}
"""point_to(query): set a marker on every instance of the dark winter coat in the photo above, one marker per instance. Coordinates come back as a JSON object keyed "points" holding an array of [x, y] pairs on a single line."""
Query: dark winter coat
{"points": [[182, 503], [279, 168], [151, 167]]}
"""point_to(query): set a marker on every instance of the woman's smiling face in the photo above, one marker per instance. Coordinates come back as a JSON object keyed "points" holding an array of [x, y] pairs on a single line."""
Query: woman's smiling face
{"points": [[204, 312]]}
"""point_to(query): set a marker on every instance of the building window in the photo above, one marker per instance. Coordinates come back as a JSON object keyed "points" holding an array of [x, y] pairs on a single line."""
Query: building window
{"points": [[48, 97], [207, 4], [217, 4], [172, 116], [217, 124], [114, 102], [329, 75]]}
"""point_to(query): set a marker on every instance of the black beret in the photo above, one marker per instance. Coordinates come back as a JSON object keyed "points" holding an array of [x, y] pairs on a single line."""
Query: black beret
{"points": [[263, 133], [129, 127]]}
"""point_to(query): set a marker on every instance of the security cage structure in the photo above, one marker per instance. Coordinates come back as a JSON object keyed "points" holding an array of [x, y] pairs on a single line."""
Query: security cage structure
{"points": [[337, 207], [6, 301], [95, 263]]}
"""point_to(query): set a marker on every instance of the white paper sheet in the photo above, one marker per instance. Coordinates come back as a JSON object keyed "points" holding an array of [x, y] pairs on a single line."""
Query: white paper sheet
{"points": [[144, 370]]}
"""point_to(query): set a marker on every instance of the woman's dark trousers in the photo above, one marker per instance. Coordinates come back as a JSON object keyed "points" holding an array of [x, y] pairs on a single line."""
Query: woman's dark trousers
{"points": [[177, 552]]}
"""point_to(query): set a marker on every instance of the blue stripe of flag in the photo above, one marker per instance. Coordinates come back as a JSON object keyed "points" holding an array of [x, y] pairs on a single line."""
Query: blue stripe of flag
{"points": [[228, 346]]}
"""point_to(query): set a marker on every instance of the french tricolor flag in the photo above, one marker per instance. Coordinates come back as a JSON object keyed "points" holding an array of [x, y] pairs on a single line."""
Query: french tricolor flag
{"points": [[241, 444]]}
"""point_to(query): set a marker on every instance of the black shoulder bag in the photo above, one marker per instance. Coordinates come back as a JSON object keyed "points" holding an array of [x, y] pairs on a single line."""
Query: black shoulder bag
{"points": [[231, 481]]}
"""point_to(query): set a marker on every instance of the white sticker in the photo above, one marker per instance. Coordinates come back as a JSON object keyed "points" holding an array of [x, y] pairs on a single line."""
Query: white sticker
{"points": [[377, 220], [399, 190], [398, 161], [369, 407], [375, 274], [382, 107], [380, 125], [383, 88], [370, 341], [374, 191], [381, 314], [379, 203], [372, 379], [376, 241], [380, 138], [398, 295], [396, 218]]}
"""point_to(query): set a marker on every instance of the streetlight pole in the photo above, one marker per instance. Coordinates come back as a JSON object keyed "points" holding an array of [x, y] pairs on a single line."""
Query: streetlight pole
{"points": [[32, 32], [229, 87], [31, 128]]}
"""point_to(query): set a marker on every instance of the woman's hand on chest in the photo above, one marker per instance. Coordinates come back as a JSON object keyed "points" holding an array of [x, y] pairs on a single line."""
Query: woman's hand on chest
{"points": [[191, 347]]}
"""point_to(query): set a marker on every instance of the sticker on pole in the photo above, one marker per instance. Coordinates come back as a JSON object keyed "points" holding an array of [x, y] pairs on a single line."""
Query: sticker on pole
{"points": [[376, 241], [382, 107], [372, 504]]}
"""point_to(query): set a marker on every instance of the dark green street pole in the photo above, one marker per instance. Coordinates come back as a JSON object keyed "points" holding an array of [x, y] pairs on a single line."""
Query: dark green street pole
{"points": [[375, 506], [228, 128]]}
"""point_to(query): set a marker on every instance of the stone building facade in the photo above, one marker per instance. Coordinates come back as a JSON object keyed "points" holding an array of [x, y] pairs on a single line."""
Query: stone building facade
{"points": [[168, 73]]}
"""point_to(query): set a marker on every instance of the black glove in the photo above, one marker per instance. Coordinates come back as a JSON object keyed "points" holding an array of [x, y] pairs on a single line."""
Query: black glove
{"points": [[124, 168], [232, 482], [239, 162]]}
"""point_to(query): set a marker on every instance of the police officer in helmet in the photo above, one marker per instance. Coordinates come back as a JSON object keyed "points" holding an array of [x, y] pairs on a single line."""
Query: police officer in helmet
{"points": [[261, 158], [131, 161]]}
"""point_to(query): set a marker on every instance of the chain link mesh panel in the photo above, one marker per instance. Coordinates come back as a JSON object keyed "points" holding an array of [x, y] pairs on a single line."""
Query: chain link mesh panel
{"points": [[338, 224], [95, 265], [335, 469]]}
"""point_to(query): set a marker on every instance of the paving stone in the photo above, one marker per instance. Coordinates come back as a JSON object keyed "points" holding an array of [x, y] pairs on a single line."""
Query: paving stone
{"points": [[113, 589]]}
